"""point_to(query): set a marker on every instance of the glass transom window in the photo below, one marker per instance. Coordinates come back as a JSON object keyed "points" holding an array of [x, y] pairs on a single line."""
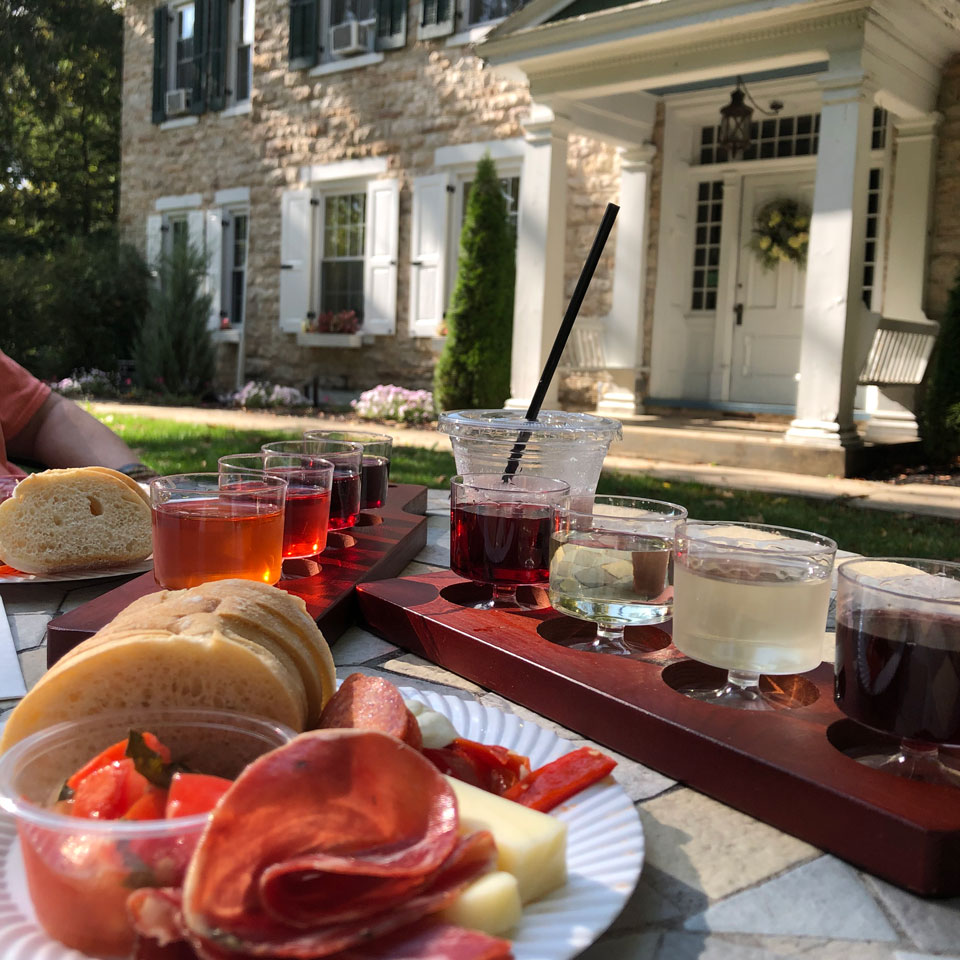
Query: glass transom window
{"points": [[341, 265]]}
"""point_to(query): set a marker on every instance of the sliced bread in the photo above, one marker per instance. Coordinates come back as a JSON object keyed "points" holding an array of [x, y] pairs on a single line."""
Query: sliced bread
{"points": [[79, 518]]}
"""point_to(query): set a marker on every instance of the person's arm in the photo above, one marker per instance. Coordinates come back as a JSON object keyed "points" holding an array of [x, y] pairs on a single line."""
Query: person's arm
{"points": [[63, 434]]}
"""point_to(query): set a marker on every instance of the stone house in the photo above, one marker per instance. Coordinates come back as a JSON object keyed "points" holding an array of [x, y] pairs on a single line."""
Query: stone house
{"points": [[321, 151]]}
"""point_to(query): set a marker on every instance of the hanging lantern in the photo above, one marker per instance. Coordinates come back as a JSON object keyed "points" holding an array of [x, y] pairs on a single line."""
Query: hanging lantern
{"points": [[735, 120]]}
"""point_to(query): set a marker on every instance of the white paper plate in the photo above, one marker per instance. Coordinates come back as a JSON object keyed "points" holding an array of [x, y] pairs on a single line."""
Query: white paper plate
{"points": [[139, 566], [604, 852]]}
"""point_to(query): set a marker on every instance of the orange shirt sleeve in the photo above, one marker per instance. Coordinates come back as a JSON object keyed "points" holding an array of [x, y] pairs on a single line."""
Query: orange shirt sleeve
{"points": [[21, 396]]}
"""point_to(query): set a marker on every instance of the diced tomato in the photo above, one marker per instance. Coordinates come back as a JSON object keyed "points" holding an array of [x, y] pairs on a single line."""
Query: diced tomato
{"points": [[455, 765], [108, 793], [113, 753], [192, 793], [151, 806], [554, 782], [499, 768]]}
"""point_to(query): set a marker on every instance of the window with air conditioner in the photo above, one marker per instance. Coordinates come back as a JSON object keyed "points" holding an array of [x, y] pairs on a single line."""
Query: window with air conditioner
{"points": [[202, 57], [330, 31]]}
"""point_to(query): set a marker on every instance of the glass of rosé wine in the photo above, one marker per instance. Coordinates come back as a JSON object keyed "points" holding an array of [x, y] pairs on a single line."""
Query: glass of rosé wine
{"points": [[346, 459], [500, 529], [216, 526], [897, 667], [375, 462], [307, 511]]}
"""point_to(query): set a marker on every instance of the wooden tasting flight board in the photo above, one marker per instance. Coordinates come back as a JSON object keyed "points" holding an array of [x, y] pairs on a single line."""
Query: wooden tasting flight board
{"points": [[785, 767], [380, 545]]}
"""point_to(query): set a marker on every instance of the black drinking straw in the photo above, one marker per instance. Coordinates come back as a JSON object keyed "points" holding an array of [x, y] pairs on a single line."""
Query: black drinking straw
{"points": [[573, 308]]}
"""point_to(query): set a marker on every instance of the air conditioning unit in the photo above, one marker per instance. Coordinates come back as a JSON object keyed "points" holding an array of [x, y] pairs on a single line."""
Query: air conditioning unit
{"points": [[352, 37], [175, 102]]}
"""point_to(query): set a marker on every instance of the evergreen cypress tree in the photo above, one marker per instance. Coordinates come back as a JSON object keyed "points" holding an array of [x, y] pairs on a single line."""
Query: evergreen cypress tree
{"points": [[174, 353], [940, 412], [474, 368]]}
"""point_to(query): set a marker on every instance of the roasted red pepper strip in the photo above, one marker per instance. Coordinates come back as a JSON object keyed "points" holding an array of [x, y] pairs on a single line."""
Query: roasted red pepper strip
{"points": [[554, 782], [499, 768]]}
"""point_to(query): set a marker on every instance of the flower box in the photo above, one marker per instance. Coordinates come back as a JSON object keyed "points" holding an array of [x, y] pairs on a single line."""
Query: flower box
{"points": [[330, 339]]}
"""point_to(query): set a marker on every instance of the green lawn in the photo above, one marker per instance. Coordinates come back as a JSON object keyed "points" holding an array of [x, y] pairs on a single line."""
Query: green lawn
{"points": [[170, 447]]}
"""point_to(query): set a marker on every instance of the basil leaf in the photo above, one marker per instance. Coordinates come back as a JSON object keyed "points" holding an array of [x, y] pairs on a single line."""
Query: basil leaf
{"points": [[148, 762]]}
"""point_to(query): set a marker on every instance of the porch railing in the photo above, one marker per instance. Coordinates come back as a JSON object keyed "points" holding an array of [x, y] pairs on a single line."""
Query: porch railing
{"points": [[899, 352]]}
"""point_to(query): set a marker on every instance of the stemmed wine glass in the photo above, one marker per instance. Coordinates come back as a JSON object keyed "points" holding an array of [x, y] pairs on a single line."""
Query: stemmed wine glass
{"points": [[611, 563], [752, 599], [898, 659], [500, 528]]}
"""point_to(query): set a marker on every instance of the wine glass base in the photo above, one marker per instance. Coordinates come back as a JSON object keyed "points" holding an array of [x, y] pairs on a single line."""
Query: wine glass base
{"points": [[609, 647], [923, 769], [735, 697]]}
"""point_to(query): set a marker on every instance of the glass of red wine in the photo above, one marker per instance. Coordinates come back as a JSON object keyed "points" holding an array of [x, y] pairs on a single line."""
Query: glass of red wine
{"points": [[375, 463], [898, 660], [345, 489], [307, 509], [500, 530]]}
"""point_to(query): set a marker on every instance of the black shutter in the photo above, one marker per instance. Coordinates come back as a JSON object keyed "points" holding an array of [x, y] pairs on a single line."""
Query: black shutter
{"points": [[161, 38], [304, 19], [217, 63], [201, 48], [391, 24], [437, 19]]}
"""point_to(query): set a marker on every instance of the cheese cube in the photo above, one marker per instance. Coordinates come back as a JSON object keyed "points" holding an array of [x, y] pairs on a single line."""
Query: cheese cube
{"points": [[490, 904], [530, 845]]}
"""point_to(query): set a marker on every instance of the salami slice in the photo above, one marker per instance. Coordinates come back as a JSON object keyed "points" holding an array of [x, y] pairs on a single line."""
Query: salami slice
{"points": [[371, 703], [347, 824]]}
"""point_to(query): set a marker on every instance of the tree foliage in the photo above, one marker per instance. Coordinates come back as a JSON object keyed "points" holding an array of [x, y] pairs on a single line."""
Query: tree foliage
{"points": [[940, 411], [60, 80], [474, 368], [174, 353]]}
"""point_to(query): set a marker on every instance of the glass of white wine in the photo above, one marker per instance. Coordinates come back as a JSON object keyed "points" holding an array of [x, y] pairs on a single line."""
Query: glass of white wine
{"points": [[611, 563], [752, 599]]}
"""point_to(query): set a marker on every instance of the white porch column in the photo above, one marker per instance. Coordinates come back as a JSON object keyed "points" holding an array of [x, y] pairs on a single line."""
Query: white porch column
{"points": [[833, 308], [623, 330], [541, 235], [893, 417]]}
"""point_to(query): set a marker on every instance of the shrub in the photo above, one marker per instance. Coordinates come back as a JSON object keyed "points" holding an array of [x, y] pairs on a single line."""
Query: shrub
{"points": [[92, 383], [260, 395], [387, 402], [174, 353], [474, 367], [79, 307], [939, 418]]}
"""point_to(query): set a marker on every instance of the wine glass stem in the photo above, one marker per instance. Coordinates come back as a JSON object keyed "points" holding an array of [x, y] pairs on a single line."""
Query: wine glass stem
{"points": [[504, 596], [746, 680], [922, 760], [610, 638]]}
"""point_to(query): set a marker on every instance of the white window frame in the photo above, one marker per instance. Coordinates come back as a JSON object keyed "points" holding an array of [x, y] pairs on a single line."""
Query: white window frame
{"points": [[228, 215], [321, 195], [326, 61], [173, 10], [239, 10]]}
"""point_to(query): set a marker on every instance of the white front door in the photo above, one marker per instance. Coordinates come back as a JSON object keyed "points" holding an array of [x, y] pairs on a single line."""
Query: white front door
{"points": [[768, 316]]}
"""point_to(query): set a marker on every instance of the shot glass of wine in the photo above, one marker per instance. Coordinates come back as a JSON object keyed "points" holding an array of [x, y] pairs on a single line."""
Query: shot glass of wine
{"points": [[374, 465], [752, 599], [307, 510], [611, 562], [898, 659], [500, 530], [212, 526], [345, 489]]}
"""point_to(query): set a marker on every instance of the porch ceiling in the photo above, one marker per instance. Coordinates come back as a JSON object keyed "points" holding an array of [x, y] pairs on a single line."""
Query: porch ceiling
{"points": [[592, 60]]}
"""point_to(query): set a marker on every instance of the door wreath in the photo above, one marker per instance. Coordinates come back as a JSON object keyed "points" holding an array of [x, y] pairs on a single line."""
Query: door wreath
{"points": [[781, 233]]}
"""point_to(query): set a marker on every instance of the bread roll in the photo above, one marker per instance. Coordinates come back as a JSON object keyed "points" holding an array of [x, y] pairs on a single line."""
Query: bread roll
{"points": [[158, 671], [80, 518]]}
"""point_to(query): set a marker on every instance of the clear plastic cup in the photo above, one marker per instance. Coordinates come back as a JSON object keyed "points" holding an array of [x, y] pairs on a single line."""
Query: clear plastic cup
{"points": [[80, 871], [375, 464], [562, 446]]}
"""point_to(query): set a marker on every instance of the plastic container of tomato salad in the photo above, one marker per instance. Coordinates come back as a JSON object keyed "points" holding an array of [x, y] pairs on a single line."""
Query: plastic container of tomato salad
{"points": [[80, 871]]}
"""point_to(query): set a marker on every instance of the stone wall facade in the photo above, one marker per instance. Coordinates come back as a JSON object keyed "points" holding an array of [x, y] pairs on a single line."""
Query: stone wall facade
{"points": [[944, 250], [424, 96]]}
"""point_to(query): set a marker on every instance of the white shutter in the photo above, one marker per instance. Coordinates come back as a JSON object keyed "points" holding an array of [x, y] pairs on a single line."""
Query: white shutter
{"points": [[214, 266], [196, 230], [428, 249], [154, 240], [380, 265], [295, 258]]}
